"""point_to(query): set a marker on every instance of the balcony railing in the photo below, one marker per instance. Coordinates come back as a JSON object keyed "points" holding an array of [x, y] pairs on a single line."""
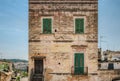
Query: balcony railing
{"points": [[79, 70]]}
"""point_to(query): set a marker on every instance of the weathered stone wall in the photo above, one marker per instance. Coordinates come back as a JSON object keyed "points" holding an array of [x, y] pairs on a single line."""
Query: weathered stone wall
{"points": [[108, 75], [58, 48]]}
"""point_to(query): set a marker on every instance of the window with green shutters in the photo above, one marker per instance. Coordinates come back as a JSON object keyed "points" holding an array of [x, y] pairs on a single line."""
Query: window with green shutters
{"points": [[47, 25], [79, 25]]}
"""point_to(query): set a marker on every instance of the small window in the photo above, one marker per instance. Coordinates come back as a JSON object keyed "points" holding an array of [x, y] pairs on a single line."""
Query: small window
{"points": [[47, 25], [79, 25]]}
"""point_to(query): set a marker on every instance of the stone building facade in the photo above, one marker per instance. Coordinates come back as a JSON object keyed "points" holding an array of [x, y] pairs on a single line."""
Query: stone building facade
{"points": [[63, 40]]}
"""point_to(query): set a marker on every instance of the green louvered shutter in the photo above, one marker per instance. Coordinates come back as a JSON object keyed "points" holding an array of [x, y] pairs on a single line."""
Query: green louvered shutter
{"points": [[47, 25], [79, 63], [79, 25]]}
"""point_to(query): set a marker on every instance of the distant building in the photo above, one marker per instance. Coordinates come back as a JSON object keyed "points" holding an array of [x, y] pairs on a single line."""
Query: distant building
{"points": [[21, 65], [110, 65], [111, 55], [111, 60]]}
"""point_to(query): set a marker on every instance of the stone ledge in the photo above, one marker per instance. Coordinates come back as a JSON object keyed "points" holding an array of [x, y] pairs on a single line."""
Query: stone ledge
{"points": [[38, 55], [85, 10], [68, 74], [63, 2], [91, 41], [81, 46], [34, 40], [62, 40]]}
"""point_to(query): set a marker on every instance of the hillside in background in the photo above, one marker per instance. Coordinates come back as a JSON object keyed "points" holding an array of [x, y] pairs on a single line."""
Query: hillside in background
{"points": [[15, 60]]}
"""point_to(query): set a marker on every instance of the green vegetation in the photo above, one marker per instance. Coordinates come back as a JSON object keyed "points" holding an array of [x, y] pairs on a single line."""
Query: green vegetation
{"points": [[20, 74], [24, 74], [4, 67], [18, 78]]}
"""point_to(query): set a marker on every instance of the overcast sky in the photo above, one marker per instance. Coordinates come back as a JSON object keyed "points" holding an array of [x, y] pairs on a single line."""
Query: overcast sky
{"points": [[14, 27]]}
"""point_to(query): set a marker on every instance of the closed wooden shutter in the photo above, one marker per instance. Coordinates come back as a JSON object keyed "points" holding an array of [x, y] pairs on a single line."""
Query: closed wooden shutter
{"points": [[47, 25], [79, 63], [79, 25]]}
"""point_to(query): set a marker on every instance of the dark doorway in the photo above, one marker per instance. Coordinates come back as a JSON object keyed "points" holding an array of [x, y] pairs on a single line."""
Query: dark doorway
{"points": [[110, 66], [39, 66]]}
